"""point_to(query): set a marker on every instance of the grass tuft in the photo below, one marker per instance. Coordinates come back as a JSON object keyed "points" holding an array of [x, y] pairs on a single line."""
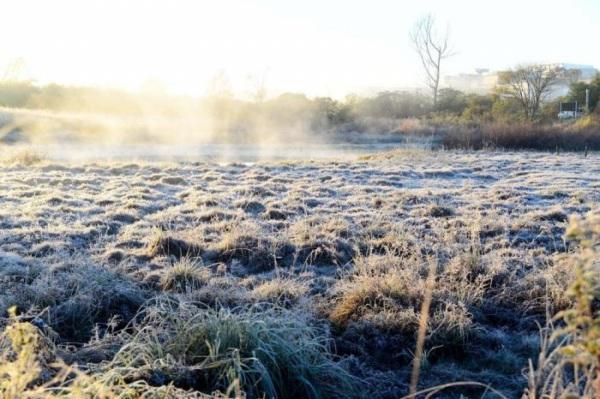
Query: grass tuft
{"points": [[162, 244], [268, 351], [184, 276]]}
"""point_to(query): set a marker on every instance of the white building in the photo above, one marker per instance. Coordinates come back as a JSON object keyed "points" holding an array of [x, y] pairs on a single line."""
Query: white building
{"points": [[483, 81], [580, 73]]}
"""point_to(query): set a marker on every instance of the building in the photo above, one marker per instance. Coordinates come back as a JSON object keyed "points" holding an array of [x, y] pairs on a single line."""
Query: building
{"points": [[578, 73], [483, 80], [584, 72]]}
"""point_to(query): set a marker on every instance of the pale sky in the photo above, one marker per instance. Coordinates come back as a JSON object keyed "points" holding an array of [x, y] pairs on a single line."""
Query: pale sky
{"points": [[326, 47]]}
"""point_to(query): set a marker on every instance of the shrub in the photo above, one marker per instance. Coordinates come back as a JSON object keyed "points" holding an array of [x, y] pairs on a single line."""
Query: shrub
{"points": [[521, 136], [569, 362]]}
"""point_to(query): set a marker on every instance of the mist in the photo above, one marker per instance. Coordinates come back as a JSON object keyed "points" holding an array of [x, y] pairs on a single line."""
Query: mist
{"points": [[71, 122], [66, 122]]}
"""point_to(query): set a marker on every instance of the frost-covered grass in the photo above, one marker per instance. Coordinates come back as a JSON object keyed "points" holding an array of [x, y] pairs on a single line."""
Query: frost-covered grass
{"points": [[307, 276]]}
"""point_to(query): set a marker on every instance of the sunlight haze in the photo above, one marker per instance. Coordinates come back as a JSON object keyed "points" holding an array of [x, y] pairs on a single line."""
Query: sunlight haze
{"points": [[321, 48]]}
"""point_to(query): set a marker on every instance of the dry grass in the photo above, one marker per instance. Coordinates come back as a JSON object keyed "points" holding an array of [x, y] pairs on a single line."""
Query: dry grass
{"points": [[185, 275], [264, 351], [25, 157], [316, 267], [284, 291], [515, 136]]}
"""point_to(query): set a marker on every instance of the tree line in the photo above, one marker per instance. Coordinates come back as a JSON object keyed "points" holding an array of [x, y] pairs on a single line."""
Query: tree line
{"points": [[451, 106]]}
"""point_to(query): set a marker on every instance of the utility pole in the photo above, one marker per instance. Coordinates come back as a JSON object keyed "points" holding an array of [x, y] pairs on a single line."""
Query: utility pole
{"points": [[587, 101]]}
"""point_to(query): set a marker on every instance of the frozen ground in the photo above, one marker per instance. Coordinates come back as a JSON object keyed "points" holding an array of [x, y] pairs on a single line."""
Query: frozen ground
{"points": [[345, 243], [213, 152]]}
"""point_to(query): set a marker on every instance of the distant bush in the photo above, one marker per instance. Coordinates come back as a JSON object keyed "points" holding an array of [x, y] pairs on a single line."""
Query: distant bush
{"points": [[577, 92], [17, 94], [392, 104], [452, 101], [516, 136]]}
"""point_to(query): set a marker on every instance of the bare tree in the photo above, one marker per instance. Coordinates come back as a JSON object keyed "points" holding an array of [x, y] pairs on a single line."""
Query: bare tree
{"points": [[432, 48], [530, 85]]}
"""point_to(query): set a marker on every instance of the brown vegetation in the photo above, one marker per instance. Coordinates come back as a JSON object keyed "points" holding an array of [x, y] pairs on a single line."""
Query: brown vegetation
{"points": [[126, 283]]}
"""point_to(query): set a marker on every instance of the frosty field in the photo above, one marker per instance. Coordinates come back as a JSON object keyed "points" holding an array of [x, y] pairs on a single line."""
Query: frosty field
{"points": [[293, 278]]}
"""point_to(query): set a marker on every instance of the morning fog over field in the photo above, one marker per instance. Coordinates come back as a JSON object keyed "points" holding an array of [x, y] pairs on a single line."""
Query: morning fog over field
{"points": [[277, 199]]}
